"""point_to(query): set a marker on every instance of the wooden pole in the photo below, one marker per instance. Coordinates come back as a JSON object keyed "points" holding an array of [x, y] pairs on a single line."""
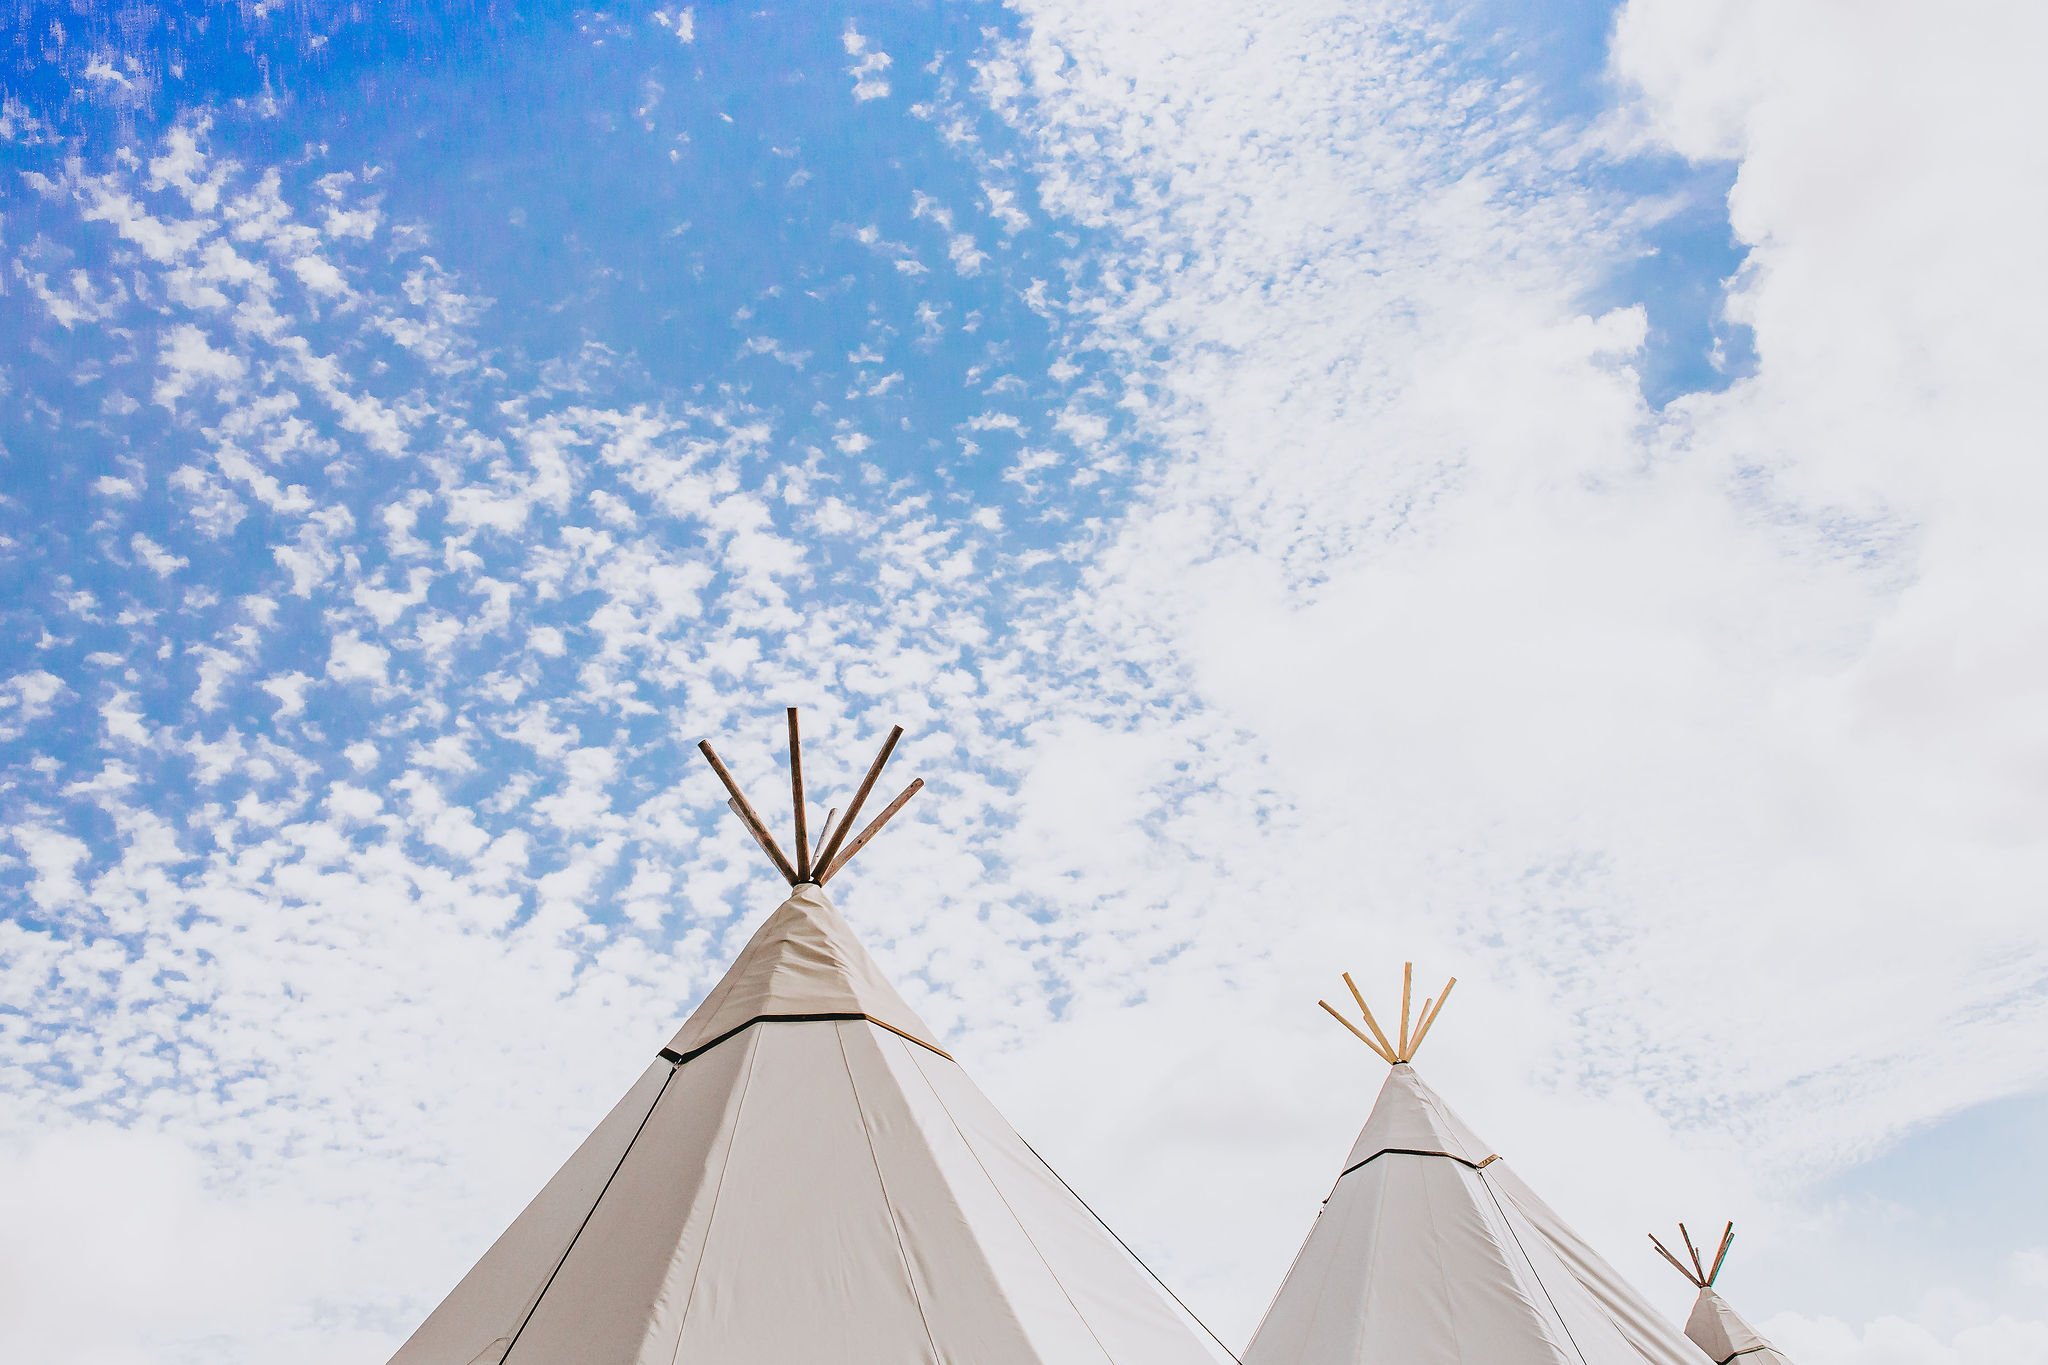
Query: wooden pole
{"points": [[796, 797], [1676, 1264], [1356, 1032], [1370, 1022], [747, 816], [1727, 1240], [760, 835], [1429, 1017], [1693, 1252], [867, 784], [861, 840], [1407, 981], [824, 833]]}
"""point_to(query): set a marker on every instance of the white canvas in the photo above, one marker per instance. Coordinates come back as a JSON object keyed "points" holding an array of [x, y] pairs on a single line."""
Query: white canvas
{"points": [[1428, 1251], [785, 1189], [1725, 1335]]}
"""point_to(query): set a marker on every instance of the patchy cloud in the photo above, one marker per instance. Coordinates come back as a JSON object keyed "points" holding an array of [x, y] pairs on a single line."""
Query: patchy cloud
{"points": [[1219, 437], [869, 67]]}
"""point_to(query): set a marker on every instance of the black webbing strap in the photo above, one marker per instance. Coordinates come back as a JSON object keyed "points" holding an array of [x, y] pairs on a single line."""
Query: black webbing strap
{"points": [[678, 1058]]}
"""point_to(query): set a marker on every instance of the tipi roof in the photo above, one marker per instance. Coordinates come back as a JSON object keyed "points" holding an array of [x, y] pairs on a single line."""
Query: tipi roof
{"points": [[802, 963], [1430, 1251], [1714, 1326], [804, 1175]]}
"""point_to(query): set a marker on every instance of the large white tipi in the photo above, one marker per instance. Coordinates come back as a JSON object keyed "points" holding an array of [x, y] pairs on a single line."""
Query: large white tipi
{"points": [[1430, 1251], [805, 1175], [1714, 1326]]}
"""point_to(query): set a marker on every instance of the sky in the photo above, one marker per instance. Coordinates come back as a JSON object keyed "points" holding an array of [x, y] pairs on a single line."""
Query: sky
{"points": [[1551, 493]]}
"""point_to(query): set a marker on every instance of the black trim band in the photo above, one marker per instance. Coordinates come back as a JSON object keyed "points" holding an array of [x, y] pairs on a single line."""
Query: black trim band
{"points": [[1411, 1151], [1745, 1351], [678, 1058]]}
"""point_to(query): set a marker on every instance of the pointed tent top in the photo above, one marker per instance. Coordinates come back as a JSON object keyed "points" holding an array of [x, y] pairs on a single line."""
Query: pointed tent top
{"points": [[1724, 1334], [1714, 1326], [802, 963], [1402, 1048], [1410, 1117], [1700, 1274], [814, 866]]}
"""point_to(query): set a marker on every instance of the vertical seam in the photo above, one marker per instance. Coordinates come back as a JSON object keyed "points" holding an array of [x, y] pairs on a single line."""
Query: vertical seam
{"points": [[1051, 1274], [711, 1219], [588, 1215], [1534, 1273], [888, 1207]]}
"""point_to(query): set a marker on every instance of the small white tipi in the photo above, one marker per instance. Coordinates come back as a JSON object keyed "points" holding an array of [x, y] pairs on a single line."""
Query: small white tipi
{"points": [[804, 1175], [1714, 1326], [1430, 1251]]}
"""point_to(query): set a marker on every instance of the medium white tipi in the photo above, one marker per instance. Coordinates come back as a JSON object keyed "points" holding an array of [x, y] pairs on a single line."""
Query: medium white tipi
{"points": [[1430, 1251], [1714, 1326], [804, 1175]]}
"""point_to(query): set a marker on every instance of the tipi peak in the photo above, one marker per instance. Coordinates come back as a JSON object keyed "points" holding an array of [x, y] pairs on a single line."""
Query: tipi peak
{"points": [[815, 864], [1402, 1047], [803, 963], [1714, 1326]]}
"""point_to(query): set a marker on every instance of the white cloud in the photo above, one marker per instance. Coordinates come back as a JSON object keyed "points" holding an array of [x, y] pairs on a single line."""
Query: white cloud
{"points": [[190, 360], [359, 223], [386, 605], [869, 64], [216, 668], [1897, 1340], [160, 240], [354, 659], [318, 274], [289, 689], [53, 860], [1370, 669], [155, 557], [122, 720], [26, 698], [1633, 695], [172, 1255], [682, 22], [185, 166]]}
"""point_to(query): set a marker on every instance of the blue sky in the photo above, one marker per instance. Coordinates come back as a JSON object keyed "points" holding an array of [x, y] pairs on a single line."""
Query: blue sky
{"points": [[1540, 494]]}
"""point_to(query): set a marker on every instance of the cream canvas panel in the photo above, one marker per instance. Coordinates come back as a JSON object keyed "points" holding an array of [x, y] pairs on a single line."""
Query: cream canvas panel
{"points": [[801, 1260], [620, 1294], [823, 1191], [1410, 1262], [1126, 1312], [1588, 1296], [987, 1289], [1647, 1329], [1724, 1334], [803, 960], [475, 1322]]}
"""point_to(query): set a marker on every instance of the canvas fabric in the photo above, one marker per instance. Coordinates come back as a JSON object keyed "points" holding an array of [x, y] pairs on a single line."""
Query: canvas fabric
{"points": [[806, 1190], [1429, 1251], [803, 960], [1725, 1335]]}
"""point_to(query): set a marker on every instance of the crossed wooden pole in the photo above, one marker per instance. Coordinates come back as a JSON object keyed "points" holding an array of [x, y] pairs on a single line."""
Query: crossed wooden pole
{"points": [[820, 863], [1401, 1048], [1701, 1276]]}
